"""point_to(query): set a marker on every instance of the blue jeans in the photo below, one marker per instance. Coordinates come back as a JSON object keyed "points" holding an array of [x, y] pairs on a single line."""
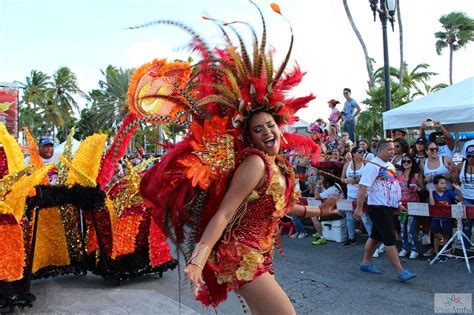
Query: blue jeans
{"points": [[350, 221], [299, 227], [409, 237], [349, 127], [467, 223]]}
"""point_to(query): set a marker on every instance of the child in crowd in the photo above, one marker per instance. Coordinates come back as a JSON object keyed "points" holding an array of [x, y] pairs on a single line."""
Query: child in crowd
{"points": [[442, 226], [326, 187]]}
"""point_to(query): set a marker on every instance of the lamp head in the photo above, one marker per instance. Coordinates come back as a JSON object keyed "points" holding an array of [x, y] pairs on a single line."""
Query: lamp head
{"points": [[373, 6]]}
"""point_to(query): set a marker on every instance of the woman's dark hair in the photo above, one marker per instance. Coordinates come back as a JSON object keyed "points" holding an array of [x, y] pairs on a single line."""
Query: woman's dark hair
{"points": [[403, 143], [250, 116], [428, 144], [414, 167], [329, 180], [354, 149], [366, 142]]}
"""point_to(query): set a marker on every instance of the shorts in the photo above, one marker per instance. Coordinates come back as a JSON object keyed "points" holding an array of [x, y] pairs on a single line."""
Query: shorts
{"points": [[442, 226], [383, 220]]}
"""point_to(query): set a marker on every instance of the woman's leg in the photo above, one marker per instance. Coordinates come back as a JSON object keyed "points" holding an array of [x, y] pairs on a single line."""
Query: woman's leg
{"points": [[367, 222], [412, 236], [299, 227], [403, 234], [317, 225], [350, 224], [265, 296]]}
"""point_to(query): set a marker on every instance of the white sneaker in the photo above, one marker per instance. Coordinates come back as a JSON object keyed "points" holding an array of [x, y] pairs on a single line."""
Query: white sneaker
{"points": [[302, 235], [376, 254], [382, 248], [402, 253], [425, 240], [294, 235], [413, 255]]}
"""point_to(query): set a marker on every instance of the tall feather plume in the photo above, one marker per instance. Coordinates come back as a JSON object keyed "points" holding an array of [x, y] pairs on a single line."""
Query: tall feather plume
{"points": [[123, 138], [259, 62], [288, 54], [182, 26]]}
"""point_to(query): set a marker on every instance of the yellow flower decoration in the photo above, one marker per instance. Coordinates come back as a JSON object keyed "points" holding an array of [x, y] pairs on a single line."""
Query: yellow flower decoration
{"points": [[16, 199], [12, 150], [87, 160]]}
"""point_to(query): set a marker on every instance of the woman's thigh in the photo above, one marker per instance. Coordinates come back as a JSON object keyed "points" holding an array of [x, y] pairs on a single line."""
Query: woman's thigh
{"points": [[265, 296]]}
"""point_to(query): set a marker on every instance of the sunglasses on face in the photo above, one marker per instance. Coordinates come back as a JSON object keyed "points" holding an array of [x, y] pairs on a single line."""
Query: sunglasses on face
{"points": [[345, 93], [434, 149], [374, 141], [406, 161], [469, 156], [360, 151]]}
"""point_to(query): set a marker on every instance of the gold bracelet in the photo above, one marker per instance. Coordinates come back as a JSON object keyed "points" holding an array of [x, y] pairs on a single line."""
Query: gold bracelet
{"points": [[200, 254]]}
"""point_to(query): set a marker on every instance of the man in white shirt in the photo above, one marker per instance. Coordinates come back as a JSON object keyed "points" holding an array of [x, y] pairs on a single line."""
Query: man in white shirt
{"points": [[46, 151], [48, 156], [379, 182]]}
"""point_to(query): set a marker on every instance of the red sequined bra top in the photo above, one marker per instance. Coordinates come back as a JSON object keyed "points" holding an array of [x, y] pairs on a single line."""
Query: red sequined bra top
{"points": [[245, 250]]}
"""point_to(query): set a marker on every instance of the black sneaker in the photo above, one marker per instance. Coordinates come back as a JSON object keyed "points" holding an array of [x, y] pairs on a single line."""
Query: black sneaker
{"points": [[350, 242], [443, 259]]}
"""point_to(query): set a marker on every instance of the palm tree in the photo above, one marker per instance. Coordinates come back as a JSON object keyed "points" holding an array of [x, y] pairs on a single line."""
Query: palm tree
{"points": [[61, 97], [111, 97], [369, 122], [458, 32], [368, 61], [427, 89], [89, 124], [412, 80], [34, 88]]}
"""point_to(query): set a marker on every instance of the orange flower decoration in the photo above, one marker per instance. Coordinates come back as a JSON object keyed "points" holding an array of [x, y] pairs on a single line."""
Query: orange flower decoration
{"points": [[153, 84], [213, 157], [275, 7]]}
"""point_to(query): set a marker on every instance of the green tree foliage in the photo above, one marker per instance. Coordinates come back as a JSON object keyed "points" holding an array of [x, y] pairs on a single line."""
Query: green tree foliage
{"points": [[414, 84], [110, 99], [458, 31], [50, 101]]}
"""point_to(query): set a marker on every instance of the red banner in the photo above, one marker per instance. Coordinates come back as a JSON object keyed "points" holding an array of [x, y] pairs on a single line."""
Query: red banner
{"points": [[9, 109]]}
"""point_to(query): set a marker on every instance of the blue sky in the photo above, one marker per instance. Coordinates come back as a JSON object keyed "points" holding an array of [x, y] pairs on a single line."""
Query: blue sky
{"points": [[88, 35]]}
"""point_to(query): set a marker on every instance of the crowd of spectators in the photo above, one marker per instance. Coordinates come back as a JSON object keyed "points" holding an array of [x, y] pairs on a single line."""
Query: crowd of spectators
{"points": [[425, 170]]}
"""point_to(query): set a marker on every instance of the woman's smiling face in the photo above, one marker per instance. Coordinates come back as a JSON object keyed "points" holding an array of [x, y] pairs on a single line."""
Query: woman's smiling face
{"points": [[264, 133]]}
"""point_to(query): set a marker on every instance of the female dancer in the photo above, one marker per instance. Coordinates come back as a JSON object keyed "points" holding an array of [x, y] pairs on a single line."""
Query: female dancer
{"points": [[250, 243]]}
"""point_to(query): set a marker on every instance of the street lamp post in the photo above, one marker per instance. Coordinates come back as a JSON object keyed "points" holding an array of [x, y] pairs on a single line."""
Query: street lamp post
{"points": [[386, 11]]}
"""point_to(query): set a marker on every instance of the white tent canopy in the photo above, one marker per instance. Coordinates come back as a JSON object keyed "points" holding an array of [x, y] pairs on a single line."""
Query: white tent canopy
{"points": [[453, 106], [59, 149]]}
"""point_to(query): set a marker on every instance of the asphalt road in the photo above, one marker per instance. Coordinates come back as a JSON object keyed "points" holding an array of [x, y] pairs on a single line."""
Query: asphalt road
{"points": [[319, 280]]}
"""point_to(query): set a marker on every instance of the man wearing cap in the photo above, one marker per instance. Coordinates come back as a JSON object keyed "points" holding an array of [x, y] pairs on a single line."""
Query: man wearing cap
{"points": [[349, 113], [46, 151], [379, 183]]}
